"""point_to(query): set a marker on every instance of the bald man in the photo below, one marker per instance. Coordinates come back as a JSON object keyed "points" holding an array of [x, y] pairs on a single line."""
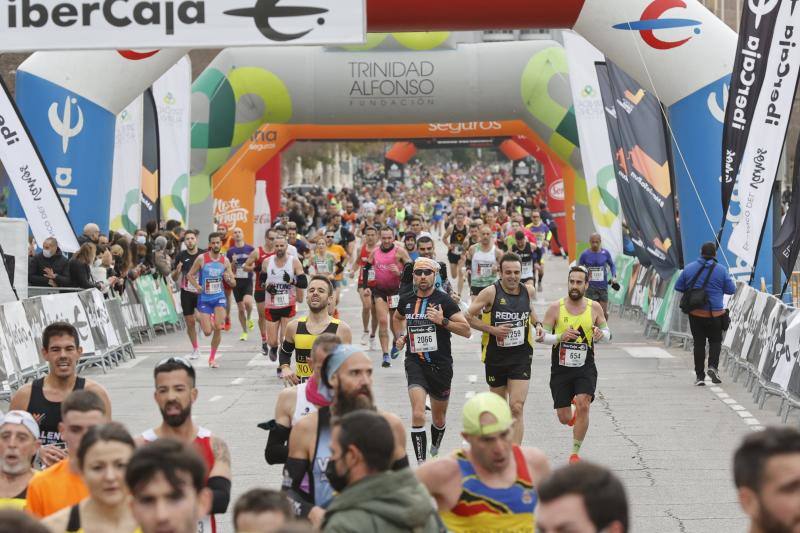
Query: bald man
{"points": [[598, 261]]}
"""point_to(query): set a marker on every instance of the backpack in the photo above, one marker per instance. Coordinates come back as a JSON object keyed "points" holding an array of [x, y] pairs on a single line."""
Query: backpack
{"points": [[694, 299]]}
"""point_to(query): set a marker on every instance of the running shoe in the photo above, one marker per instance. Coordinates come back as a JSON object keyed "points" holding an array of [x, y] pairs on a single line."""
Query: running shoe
{"points": [[700, 382], [227, 325], [372, 343], [434, 452], [273, 355], [243, 336], [251, 324], [195, 354], [212, 363], [713, 373], [264, 348], [386, 362], [395, 352], [574, 415], [365, 338], [574, 458]]}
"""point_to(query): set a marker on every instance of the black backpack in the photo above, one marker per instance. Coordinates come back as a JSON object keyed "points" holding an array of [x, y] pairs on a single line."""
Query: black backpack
{"points": [[694, 299]]}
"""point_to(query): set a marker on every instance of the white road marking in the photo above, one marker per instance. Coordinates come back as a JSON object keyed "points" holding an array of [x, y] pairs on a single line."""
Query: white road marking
{"points": [[261, 360], [133, 362], [744, 414], [237, 381], [729, 401], [214, 399], [647, 352], [751, 422]]}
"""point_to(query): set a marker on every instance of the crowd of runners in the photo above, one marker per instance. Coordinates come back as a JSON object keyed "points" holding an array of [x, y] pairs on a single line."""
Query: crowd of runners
{"points": [[447, 252]]}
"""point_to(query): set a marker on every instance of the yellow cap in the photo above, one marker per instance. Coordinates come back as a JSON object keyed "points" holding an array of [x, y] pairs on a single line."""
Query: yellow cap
{"points": [[486, 402]]}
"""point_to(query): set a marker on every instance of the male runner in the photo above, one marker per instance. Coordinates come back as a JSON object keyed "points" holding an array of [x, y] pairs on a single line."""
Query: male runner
{"points": [[454, 237], [281, 275], [341, 255], [176, 392], [573, 326], [214, 268], [491, 486], [429, 316], [387, 260], [410, 242], [425, 247], [19, 442], [43, 396], [529, 256], [483, 258], [243, 291], [596, 259], [182, 265], [294, 403], [254, 264], [543, 235], [368, 245], [505, 313], [347, 381], [302, 332]]}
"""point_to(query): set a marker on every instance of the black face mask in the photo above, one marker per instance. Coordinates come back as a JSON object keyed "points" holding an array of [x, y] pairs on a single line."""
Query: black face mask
{"points": [[337, 482]]}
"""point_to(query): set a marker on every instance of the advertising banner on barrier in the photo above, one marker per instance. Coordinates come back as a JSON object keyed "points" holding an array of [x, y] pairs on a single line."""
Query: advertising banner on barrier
{"points": [[76, 139], [764, 148], [624, 266], [172, 94], [156, 300], [35, 194], [67, 307], [46, 25], [125, 213], [150, 185], [598, 167], [99, 321], [19, 335]]}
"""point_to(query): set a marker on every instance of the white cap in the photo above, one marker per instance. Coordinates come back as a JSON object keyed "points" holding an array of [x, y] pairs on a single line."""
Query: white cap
{"points": [[21, 417]]}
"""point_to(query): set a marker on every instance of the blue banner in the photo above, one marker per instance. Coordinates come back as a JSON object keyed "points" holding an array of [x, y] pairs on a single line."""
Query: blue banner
{"points": [[697, 125], [76, 140]]}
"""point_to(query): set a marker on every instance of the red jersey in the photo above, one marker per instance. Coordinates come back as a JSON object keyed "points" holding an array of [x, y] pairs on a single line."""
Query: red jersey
{"points": [[263, 255]]}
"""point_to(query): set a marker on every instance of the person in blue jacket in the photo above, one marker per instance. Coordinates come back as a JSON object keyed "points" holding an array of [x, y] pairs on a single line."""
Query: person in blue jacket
{"points": [[707, 324]]}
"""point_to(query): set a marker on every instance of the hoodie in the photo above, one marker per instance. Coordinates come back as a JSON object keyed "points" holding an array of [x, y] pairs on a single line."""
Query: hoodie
{"points": [[389, 502]]}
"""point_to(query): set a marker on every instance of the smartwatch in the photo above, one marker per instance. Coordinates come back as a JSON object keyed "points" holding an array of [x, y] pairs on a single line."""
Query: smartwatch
{"points": [[445, 321]]}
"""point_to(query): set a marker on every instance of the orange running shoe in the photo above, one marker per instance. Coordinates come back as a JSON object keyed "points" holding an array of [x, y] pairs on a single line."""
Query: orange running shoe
{"points": [[574, 458], [227, 326], [574, 415]]}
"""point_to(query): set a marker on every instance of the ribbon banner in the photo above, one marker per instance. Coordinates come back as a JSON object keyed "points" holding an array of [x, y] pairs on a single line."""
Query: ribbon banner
{"points": [[786, 245], [47, 25]]}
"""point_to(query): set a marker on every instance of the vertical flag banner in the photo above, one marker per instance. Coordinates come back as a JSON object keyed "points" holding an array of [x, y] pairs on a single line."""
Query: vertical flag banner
{"points": [[150, 166], [125, 187], [643, 164], [786, 245], [764, 147], [37, 197], [749, 69], [172, 94], [598, 167]]}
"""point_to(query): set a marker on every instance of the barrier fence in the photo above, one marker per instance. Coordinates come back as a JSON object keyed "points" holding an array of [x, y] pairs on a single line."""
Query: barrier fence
{"points": [[108, 328]]}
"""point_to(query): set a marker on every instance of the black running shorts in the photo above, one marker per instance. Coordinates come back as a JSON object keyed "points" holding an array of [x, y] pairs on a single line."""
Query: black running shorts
{"points": [[498, 375], [244, 287], [566, 384], [188, 302], [434, 378]]}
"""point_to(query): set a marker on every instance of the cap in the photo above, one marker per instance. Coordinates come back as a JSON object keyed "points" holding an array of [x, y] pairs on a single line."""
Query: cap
{"points": [[333, 362], [409, 235], [486, 402], [21, 417]]}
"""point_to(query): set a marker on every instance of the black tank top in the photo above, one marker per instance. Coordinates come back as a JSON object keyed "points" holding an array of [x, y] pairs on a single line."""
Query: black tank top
{"points": [[47, 413], [457, 237], [74, 522], [513, 310]]}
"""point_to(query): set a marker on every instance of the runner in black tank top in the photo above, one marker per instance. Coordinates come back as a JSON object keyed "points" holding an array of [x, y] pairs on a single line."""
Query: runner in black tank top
{"points": [[47, 413]]}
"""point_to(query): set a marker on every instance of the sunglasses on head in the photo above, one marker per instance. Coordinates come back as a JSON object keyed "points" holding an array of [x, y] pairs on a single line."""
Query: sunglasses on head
{"points": [[423, 272]]}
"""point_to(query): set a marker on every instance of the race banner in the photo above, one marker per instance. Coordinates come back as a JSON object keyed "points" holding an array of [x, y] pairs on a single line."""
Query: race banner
{"points": [[755, 41], [762, 154], [35, 193], [46, 25], [172, 94], [786, 244], [598, 167], [125, 212], [643, 167], [150, 204]]}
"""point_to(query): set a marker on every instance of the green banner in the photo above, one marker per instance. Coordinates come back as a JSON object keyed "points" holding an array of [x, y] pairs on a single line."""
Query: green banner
{"points": [[624, 264], [662, 318], [156, 300]]}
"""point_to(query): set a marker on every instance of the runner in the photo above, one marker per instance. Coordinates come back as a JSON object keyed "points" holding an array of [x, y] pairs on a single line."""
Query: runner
{"points": [[425, 247], [175, 394], [301, 332], [254, 264], [429, 316], [19, 443], [543, 235], [596, 259], [573, 326], [323, 263], [454, 237], [294, 403], [368, 245], [505, 313], [243, 291], [214, 268], [483, 258], [347, 380], [529, 255], [281, 276], [387, 260], [182, 265], [490, 486], [410, 242], [341, 256]]}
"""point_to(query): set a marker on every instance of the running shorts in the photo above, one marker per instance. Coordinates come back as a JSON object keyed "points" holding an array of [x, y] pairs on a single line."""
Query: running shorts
{"points": [[188, 302], [434, 378], [498, 375], [275, 315], [244, 287], [598, 295], [566, 384], [208, 306]]}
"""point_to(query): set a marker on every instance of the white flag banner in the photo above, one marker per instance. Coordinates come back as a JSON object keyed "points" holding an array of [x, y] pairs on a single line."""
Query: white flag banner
{"points": [[762, 154], [173, 97], [47, 25], [37, 196], [598, 168], [125, 212]]}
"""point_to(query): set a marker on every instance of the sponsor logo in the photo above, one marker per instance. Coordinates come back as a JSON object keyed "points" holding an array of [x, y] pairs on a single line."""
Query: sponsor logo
{"points": [[8, 134], [62, 125], [459, 127], [718, 111], [556, 190], [651, 21], [392, 83], [264, 10]]}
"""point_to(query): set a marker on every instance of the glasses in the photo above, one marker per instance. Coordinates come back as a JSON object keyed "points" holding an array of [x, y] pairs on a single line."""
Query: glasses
{"points": [[423, 272], [329, 237], [176, 360]]}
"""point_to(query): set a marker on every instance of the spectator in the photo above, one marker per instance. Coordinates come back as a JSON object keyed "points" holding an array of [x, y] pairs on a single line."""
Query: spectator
{"points": [[19, 442], [80, 267], [708, 321], [49, 268], [582, 498], [91, 233], [766, 470], [161, 260], [370, 496], [261, 511]]}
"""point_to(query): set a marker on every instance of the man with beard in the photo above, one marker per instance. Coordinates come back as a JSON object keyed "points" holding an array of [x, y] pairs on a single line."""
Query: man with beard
{"points": [[368, 245], [429, 316], [410, 242], [19, 442], [426, 249], [182, 265], [42, 397], [214, 269], [347, 380], [766, 470], [175, 394], [483, 259], [302, 332], [454, 238], [573, 325], [243, 292]]}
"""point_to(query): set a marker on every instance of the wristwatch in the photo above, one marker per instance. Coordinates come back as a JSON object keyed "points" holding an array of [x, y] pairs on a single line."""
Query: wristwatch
{"points": [[445, 321]]}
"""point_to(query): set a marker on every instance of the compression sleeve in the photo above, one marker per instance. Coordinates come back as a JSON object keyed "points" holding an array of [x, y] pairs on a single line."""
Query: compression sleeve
{"points": [[400, 464], [301, 281], [364, 282], [221, 490], [285, 353], [277, 449], [294, 471]]}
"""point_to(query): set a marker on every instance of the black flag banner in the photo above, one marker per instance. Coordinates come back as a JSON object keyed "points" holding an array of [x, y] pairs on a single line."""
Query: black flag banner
{"points": [[755, 41], [786, 244]]}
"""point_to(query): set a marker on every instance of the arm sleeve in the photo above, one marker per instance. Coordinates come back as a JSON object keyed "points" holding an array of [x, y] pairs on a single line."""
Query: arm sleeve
{"points": [[612, 265], [364, 281], [277, 449], [221, 491], [294, 471], [285, 353]]}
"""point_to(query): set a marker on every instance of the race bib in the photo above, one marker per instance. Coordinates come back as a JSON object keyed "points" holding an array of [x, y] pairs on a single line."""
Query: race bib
{"points": [[573, 354], [303, 370], [394, 300], [322, 267], [213, 286], [527, 270], [422, 339], [371, 275], [597, 274], [485, 270], [204, 525], [281, 299], [515, 337], [458, 249], [241, 273]]}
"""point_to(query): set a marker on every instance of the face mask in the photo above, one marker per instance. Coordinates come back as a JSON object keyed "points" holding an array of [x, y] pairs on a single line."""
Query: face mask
{"points": [[338, 482], [47, 253], [141, 239]]}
